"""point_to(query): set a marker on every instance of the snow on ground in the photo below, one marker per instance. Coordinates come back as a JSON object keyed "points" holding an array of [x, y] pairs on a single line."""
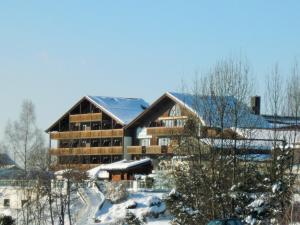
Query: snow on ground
{"points": [[296, 198], [161, 221], [85, 208], [147, 204], [93, 200]]}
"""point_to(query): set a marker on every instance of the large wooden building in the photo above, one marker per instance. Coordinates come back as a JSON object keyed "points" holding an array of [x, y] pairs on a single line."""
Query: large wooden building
{"points": [[157, 130], [101, 130], [91, 132]]}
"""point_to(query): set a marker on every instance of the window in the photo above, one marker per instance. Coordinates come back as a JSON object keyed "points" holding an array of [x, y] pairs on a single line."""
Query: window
{"points": [[117, 142], [106, 142], [145, 142], [6, 203], [164, 141], [96, 126], [180, 123], [85, 126], [175, 111], [169, 123]]}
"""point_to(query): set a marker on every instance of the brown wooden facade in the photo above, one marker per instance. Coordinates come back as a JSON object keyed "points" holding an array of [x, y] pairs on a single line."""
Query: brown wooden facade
{"points": [[157, 130], [85, 137]]}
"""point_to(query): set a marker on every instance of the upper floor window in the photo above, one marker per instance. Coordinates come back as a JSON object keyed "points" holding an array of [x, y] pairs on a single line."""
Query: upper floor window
{"points": [[175, 111], [164, 141], [145, 142]]}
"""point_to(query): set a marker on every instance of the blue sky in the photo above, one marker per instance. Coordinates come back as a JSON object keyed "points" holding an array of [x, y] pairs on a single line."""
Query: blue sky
{"points": [[54, 52]]}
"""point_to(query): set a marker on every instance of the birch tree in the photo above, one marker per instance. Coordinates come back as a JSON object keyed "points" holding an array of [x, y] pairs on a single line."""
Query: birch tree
{"points": [[26, 142], [24, 139]]}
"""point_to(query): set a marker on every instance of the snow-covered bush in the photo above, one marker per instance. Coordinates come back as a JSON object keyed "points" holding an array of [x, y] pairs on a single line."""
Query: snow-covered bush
{"points": [[221, 185], [131, 204], [153, 201], [131, 219], [116, 192]]}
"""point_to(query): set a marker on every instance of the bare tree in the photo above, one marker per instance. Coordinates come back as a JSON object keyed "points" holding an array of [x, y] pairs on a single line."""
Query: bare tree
{"points": [[24, 139], [26, 142], [293, 98], [274, 96], [214, 178], [293, 109]]}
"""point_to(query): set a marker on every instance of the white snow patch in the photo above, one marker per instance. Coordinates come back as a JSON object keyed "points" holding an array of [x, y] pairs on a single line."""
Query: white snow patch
{"points": [[147, 205], [123, 164]]}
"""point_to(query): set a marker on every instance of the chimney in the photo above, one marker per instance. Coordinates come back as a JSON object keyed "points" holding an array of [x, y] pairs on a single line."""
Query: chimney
{"points": [[255, 104]]}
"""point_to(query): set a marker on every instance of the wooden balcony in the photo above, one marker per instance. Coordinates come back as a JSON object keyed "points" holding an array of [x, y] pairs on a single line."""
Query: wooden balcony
{"points": [[73, 166], [87, 134], [164, 131], [88, 117], [134, 150], [154, 149], [173, 118], [111, 150], [151, 150]]}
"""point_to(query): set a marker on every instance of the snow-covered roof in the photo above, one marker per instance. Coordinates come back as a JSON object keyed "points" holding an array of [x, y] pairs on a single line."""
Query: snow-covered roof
{"points": [[101, 171], [12, 173], [16, 173], [5, 160], [244, 144], [255, 157], [125, 164], [96, 172], [282, 121], [206, 107], [123, 109], [289, 136]]}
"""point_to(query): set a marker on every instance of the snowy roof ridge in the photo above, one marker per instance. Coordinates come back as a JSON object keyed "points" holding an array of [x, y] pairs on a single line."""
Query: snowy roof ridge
{"points": [[208, 104], [124, 110]]}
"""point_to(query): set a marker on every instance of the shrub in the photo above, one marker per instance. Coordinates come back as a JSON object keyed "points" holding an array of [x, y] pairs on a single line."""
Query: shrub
{"points": [[116, 192], [7, 220]]}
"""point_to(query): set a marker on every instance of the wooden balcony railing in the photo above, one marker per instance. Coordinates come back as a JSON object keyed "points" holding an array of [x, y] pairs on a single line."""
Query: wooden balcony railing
{"points": [[85, 117], [87, 134], [134, 150], [151, 150], [111, 150], [164, 131], [73, 166], [173, 118], [154, 149]]}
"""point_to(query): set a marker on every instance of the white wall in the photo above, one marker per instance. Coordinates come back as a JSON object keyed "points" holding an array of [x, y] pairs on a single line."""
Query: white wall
{"points": [[15, 195]]}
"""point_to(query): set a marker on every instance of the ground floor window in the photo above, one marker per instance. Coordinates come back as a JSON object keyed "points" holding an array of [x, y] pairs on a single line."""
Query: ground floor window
{"points": [[6, 203]]}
